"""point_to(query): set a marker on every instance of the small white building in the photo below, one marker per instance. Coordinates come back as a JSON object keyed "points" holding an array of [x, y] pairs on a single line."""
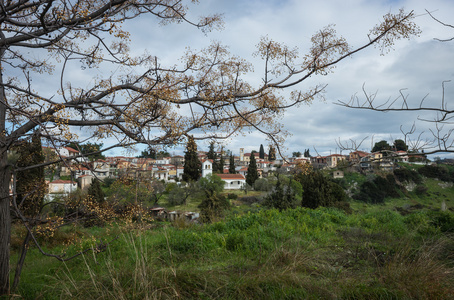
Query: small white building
{"points": [[233, 181], [207, 167]]}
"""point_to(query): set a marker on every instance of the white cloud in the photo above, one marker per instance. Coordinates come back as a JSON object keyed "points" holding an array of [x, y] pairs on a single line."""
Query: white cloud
{"points": [[419, 65]]}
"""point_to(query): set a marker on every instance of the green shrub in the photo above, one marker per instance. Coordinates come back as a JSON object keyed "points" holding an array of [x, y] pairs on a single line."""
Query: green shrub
{"points": [[440, 172], [443, 220], [231, 196], [376, 189], [421, 190], [234, 241], [249, 199], [407, 175], [262, 184], [318, 190]]}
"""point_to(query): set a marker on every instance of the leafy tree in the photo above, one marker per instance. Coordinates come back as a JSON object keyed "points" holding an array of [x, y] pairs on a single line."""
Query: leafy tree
{"points": [[158, 187], [306, 153], [180, 194], [381, 146], [282, 197], [399, 145], [376, 190], [149, 153], [90, 150], [252, 173], [232, 165], [261, 152], [296, 154], [88, 35], [272, 154], [263, 184], [319, 190], [162, 153], [213, 204], [192, 166]]}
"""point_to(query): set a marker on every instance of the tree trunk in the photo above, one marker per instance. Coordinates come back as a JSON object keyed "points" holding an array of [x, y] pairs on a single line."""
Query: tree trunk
{"points": [[5, 177], [5, 225]]}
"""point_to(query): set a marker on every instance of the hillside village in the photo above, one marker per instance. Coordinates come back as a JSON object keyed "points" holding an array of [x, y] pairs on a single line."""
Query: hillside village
{"points": [[78, 171]]}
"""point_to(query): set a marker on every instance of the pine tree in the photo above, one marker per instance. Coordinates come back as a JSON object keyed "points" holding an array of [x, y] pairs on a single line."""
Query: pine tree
{"points": [[252, 173], [261, 152], [30, 184], [232, 165], [192, 166], [272, 154]]}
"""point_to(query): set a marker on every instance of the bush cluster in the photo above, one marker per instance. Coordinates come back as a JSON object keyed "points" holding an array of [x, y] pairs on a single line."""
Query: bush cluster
{"points": [[318, 190], [377, 189], [407, 175], [439, 172]]}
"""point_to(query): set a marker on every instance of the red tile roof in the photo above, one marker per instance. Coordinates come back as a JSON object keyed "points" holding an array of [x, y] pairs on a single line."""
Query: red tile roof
{"points": [[71, 149], [231, 176]]}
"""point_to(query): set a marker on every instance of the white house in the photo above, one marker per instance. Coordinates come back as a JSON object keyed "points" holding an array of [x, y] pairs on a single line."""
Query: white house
{"points": [[62, 186], [207, 167], [233, 181]]}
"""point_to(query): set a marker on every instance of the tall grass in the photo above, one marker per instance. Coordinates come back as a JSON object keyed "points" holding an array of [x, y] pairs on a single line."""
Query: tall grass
{"points": [[294, 254]]}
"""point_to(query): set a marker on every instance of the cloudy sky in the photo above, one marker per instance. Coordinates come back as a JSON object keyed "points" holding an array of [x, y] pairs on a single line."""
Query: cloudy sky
{"points": [[419, 65]]}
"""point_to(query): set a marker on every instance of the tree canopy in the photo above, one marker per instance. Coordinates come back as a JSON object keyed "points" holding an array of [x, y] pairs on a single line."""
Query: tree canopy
{"points": [[92, 151], [381, 146]]}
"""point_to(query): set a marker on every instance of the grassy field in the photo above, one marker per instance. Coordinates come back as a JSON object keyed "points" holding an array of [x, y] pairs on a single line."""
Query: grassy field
{"points": [[401, 249], [295, 254]]}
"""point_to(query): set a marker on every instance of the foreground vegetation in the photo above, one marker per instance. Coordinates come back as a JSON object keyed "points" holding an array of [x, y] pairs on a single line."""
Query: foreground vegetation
{"points": [[294, 254], [391, 238]]}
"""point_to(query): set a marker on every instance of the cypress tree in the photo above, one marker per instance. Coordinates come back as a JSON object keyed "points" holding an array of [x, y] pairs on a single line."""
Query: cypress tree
{"points": [[252, 173], [221, 164], [261, 152], [30, 184], [192, 166], [211, 153], [95, 191], [232, 165], [272, 154], [213, 156]]}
